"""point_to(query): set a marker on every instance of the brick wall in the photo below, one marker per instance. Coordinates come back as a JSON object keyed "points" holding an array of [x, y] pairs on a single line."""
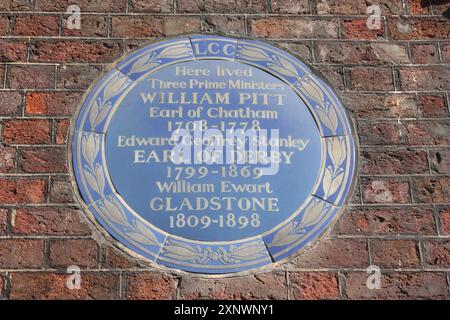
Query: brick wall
{"points": [[395, 81]]}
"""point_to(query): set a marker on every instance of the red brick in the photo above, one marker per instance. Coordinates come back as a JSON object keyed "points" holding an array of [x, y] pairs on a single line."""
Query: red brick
{"points": [[371, 79], [446, 53], [4, 25], [373, 106], [3, 221], [357, 7], [418, 7], [290, 6], [430, 79], [49, 221], [31, 76], [440, 160], [431, 190], [61, 191], [258, 286], [395, 253], [424, 53], [313, 285], [432, 106], [284, 27], [444, 215], [399, 285], [13, 50], [36, 131], [34, 25], [10, 103], [74, 51], [64, 253], [150, 285], [222, 6], [343, 253], [440, 8], [423, 28], [152, 5], [375, 161], [90, 26], [357, 29], [77, 77], [46, 160], [85, 5], [15, 5], [427, 132], [2, 285], [229, 24], [62, 126], [386, 191], [387, 221], [21, 254], [148, 26], [22, 190], [379, 133], [115, 259], [50, 286], [437, 253], [8, 159], [52, 103]]}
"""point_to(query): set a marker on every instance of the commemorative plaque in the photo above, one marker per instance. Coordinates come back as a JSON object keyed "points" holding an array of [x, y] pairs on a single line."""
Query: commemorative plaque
{"points": [[213, 155]]}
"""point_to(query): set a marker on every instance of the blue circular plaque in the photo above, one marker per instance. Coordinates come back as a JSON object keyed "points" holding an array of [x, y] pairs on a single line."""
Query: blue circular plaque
{"points": [[213, 155]]}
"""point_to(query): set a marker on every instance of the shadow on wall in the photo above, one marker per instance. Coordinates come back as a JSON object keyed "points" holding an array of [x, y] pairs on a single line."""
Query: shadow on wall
{"points": [[427, 3]]}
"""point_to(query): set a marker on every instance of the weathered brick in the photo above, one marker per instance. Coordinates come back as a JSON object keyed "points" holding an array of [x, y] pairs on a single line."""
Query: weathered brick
{"points": [[61, 191], [90, 26], [12, 50], [437, 253], [379, 133], [445, 51], [431, 189], [284, 27], [373, 106], [62, 127], [52, 103], [432, 106], [10, 103], [444, 216], [22, 190], [8, 159], [3, 221], [423, 28], [258, 286], [300, 49], [64, 253], [4, 25], [335, 253], [46, 286], [36, 25], [76, 76], [357, 7], [313, 285], [49, 221], [424, 53], [21, 254], [2, 285], [430, 79], [290, 6], [229, 24], [371, 79], [418, 7], [357, 29], [387, 221], [45, 160], [31, 76], [74, 51], [440, 160], [375, 161], [427, 132], [395, 253], [114, 259], [386, 191], [150, 285], [148, 26], [15, 5], [151, 5], [85, 5], [398, 285], [20, 131], [222, 6]]}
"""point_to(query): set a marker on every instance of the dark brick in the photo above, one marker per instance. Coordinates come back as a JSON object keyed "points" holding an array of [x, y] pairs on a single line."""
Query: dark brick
{"points": [[431, 189], [45, 160]]}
